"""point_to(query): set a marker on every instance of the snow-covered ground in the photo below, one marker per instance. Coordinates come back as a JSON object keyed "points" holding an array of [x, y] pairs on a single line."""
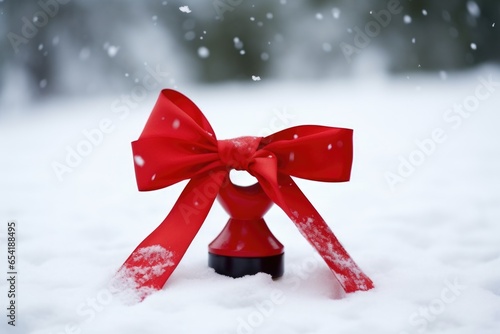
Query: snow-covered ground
{"points": [[420, 215]]}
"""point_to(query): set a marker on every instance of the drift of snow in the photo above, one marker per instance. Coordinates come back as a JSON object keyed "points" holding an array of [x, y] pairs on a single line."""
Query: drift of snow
{"points": [[430, 245]]}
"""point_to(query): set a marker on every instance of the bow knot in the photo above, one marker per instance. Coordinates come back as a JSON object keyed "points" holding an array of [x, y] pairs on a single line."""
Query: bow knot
{"points": [[189, 149], [238, 152]]}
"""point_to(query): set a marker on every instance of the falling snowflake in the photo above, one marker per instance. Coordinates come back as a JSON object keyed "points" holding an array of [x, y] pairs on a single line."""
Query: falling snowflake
{"points": [[473, 9], [139, 160], [336, 13], [84, 54], [203, 52], [238, 44], [185, 9], [327, 47], [176, 123], [113, 50]]}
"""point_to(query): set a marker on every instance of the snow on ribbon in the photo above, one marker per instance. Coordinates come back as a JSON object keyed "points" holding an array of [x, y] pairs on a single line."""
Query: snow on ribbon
{"points": [[132, 279]]}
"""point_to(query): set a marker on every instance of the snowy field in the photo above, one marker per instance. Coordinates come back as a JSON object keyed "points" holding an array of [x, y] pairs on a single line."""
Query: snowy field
{"points": [[421, 215]]}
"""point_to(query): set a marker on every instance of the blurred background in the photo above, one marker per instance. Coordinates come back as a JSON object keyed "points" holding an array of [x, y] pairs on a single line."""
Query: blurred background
{"points": [[54, 47]]}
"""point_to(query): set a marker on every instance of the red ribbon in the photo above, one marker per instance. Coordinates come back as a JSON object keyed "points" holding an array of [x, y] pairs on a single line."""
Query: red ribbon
{"points": [[178, 143]]}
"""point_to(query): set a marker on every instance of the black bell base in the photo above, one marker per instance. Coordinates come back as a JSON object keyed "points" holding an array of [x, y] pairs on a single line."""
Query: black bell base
{"points": [[241, 266]]}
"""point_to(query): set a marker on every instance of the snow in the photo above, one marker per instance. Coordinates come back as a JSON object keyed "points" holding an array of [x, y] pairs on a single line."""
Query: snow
{"points": [[473, 9], [112, 50], [336, 12], [125, 282], [430, 243], [84, 53], [189, 35], [185, 9], [327, 47], [203, 52], [139, 160], [176, 123], [238, 44]]}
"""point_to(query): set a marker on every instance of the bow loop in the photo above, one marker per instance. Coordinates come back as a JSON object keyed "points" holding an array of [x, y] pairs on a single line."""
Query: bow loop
{"points": [[176, 116], [313, 152], [162, 161]]}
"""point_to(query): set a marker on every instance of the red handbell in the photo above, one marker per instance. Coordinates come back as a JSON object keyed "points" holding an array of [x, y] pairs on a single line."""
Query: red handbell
{"points": [[178, 143]]}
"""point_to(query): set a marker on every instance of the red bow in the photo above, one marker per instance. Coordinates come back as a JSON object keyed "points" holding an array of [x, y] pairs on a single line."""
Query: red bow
{"points": [[178, 143]]}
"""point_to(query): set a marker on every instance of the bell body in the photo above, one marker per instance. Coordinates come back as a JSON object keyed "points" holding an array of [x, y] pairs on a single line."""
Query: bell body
{"points": [[245, 246]]}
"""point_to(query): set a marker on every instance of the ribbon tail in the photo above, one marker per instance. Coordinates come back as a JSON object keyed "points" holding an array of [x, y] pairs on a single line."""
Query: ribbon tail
{"points": [[313, 227], [155, 259]]}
